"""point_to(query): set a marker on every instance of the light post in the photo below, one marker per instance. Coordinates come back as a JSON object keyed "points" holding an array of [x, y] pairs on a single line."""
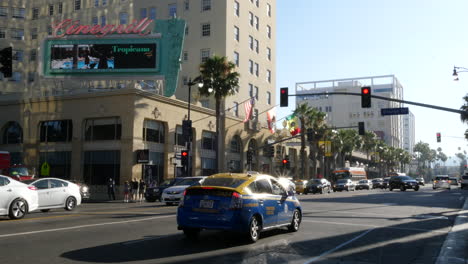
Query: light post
{"points": [[189, 122], [456, 70]]}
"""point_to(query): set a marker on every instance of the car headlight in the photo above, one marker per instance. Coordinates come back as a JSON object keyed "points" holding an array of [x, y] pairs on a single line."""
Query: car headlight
{"points": [[85, 189]]}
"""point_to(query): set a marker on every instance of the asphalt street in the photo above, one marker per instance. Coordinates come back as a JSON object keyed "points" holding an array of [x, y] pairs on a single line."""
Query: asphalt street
{"points": [[376, 226]]}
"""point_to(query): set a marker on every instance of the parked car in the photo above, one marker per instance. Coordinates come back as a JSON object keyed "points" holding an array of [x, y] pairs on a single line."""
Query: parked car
{"points": [[301, 186], [244, 203], [318, 186], [453, 181], [441, 181], [84, 190], [364, 185], [154, 193], [377, 183], [420, 181], [344, 185], [384, 184], [175, 193], [464, 180], [56, 193], [16, 198], [402, 183]]}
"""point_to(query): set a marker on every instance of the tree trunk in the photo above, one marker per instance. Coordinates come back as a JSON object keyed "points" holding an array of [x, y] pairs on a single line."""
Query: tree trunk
{"points": [[219, 136]]}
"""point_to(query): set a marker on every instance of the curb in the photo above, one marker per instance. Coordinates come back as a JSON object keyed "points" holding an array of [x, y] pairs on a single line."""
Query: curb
{"points": [[455, 247]]}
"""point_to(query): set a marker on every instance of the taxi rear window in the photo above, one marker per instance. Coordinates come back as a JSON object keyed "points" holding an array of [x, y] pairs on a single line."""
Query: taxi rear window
{"points": [[223, 182]]}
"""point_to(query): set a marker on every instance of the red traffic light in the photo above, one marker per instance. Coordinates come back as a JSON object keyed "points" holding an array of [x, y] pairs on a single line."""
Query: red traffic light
{"points": [[184, 153], [285, 161], [438, 134], [365, 90]]}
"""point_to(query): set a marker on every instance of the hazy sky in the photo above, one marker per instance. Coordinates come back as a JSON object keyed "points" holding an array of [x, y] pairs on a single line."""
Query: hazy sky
{"points": [[419, 41]]}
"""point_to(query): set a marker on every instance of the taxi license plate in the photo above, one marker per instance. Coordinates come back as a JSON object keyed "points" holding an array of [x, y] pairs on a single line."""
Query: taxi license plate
{"points": [[206, 203]]}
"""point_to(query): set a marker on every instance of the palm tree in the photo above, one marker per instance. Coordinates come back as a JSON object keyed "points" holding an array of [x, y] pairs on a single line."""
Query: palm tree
{"points": [[302, 112], [316, 121], [220, 75], [369, 142], [464, 115]]}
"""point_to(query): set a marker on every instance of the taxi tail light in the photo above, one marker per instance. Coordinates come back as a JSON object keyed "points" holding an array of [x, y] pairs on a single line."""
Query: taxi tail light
{"points": [[236, 201], [32, 188], [181, 203]]}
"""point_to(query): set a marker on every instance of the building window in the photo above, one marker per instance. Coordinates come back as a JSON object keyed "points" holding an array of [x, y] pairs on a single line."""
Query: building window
{"points": [[257, 3], [257, 22], [153, 131], [204, 55], [56, 131], [254, 115], [143, 13], [35, 13], [251, 90], [257, 69], [34, 33], [104, 2], [208, 166], [251, 20], [268, 76], [256, 46], [205, 103], [94, 21], [186, 5], [17, 55], [33, 55], [96, 3], [236, 8], [268, 51], [77, 5], [208, 140], [269, 31], [3, 11], [178, 137], [236, 58], [49, 30], [186, 30], [269, 98], [251, 42], [251, 63], [51, 10], [123, 17], [100, 165], [256, 93], [17, 34], [18, 12], [12, 133], [235, 109], [59, 162], [235, 144], [172, 10], [206, 29], [103, 20], [236, 33], [16, 77], [268, 8], [185, 56], [31, 77], [2, 33], [152, 13], [60, 7], [206, 5], [103, 129]]}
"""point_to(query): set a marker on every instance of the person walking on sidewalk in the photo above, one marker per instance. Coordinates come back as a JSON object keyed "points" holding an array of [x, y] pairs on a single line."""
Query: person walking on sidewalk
{"points": [[126, 191], [134, 186], [111, 188], [141, 190]]}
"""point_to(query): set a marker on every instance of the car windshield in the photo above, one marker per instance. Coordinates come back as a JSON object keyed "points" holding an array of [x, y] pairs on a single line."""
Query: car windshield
{"points": [[22, 171], [223, 182], [190, 181], [342, 181], [376, 180], [363, 181], [315, 181], [406, 178], [441, 178]]}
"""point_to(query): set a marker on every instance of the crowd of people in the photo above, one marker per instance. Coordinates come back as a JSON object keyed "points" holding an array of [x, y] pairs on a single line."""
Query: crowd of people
{"points": [[134, 191]]}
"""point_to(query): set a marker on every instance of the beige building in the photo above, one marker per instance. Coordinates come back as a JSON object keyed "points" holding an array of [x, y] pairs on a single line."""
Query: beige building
{"points": [[91, 129]]}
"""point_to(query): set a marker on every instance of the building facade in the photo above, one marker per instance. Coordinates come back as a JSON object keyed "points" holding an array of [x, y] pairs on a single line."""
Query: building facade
{"points": [[91, 128], [409, 132]]}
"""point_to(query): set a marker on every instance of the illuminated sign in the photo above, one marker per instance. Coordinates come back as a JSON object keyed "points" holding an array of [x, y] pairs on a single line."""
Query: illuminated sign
{"points": [[70, 27]]}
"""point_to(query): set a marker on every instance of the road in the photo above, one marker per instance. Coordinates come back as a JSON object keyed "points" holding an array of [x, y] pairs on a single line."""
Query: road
{"points": [[375, 226]]}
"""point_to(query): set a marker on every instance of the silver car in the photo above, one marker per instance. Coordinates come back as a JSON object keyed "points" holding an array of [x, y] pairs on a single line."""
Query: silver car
{"points": [[441, 181], [56, 193], [16, 198]]}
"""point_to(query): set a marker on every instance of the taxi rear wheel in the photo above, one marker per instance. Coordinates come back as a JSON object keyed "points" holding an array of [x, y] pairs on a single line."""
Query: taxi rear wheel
{"points": [[254, 230], [191, 233], [295, 222]]}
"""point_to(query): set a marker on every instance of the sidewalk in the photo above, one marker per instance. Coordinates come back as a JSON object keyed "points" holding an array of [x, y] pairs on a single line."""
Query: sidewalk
{"points": [[455, 248]]}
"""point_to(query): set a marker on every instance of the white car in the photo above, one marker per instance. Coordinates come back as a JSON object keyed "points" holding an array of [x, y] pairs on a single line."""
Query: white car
{"points": [[441, 181], [16, 198], [175, 193], [56, 193]]}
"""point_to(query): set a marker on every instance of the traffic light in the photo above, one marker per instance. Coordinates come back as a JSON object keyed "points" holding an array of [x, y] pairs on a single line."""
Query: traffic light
{"points": [[285, 162], [249, 156], [365, 97], [271, 151], [362, 129], [6, 67], [187, 130], [438, 136], [284, 97], [184, 155]]}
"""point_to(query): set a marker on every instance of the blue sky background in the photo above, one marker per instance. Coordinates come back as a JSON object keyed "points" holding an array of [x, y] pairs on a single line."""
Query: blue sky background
{"points": [[419, 41]]}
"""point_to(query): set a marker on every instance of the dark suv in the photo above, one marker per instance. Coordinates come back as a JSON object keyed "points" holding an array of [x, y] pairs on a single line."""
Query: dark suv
{"points": [[154, 193], [402, 183]]}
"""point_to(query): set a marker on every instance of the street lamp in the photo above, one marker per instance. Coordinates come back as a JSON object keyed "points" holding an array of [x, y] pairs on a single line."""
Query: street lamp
{"points": [[456, 70], [196, 81]]}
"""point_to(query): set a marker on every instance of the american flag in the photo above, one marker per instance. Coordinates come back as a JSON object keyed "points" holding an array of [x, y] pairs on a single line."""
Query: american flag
{"points": [[248, 108]]}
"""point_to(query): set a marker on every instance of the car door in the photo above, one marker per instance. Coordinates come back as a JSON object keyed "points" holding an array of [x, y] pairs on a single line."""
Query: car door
{"points": [[57, 192], [283, 210], [6, 195], [43, 192], [267, 202]]}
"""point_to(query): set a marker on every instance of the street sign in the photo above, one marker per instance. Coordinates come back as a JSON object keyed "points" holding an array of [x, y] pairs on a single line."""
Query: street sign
{"points": [[394, 111]]}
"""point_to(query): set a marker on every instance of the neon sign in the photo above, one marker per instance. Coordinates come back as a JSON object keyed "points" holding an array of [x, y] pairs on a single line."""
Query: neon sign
{"points": [[70, 27]]}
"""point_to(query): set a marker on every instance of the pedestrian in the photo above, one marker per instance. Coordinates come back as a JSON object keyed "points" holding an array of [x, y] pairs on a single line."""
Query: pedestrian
{"points": [[111, 188], [141, 190], [126, 191], [134, 186]]}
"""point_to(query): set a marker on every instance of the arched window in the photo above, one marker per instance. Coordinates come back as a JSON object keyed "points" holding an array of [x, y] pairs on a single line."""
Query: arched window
{"points": [[236, 144], [12, 133]]}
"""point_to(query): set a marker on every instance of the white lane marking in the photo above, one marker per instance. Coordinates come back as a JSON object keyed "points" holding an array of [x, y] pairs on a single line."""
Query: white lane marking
{"points": [[147, 239], [84, 226], [375, 226], [338, 247]]}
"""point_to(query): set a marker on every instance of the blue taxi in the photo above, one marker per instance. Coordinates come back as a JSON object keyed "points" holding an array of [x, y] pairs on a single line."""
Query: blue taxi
{"points": [[246, 202]]}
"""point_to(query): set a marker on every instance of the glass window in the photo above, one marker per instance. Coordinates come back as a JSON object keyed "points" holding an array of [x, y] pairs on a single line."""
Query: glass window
{"points": [[31, 76], [236, 109], [251, 20], [2, 33], [208, 166], [236, 58], [250, 42], [123, 17], [3, 11], [236, 33], [4, 181], [269, 98], [257, 69], [143, 13], [35, 13], [186, 5], [42, 184], [223, 182], [269, 31], [268, 76], [256, 93], [104, 2], [185, 56], [186, 30], [56, 131], [60, 7], [33, 55], [152, 12], [18, 12], [236, 8], [251, 66], [268, 54], [251, 91], [99, 165], [204, 54], [235, 145], [51, 10], [172, 10], [17, 55], [34, 33], [153, 131], [208, 140], [96, 3], [57, 183], [77, 5], [206, 5], [260, 186], [256, 45], [94, 20], [103, 20], [103, 129], [178, 137], [16, 77], [12, 133], [206, 29], [257, 22], [17, 34], [257, 3], [277, 188]]}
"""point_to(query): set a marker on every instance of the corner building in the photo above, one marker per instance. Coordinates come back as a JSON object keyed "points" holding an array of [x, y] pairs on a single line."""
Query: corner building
{"points": [[91, 128]]}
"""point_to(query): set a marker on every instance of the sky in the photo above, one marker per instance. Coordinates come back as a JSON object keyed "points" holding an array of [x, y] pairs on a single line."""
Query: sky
{"points": [[418, 41]]}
